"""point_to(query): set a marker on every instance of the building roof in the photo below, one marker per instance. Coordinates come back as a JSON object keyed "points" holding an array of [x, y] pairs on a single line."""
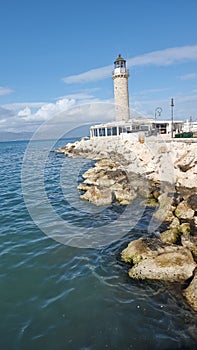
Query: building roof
{"points": [[119, 58]]}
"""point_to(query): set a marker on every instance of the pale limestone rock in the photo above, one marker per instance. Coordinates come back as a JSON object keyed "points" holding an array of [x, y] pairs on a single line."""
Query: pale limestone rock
{"points": [[175, 223], [183, 211], [189, 242], [124, 196], [98, 196], [154, 259], [82, 187], [184, 228], [172, 266], [105, 163], [170, 236], [165, 210]]}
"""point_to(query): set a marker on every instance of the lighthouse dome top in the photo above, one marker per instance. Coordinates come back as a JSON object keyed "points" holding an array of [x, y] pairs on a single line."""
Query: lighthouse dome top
{"points": [[119, 59]]}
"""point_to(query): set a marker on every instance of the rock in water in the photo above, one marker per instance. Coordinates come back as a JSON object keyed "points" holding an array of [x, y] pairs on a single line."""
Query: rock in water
{"points": [[153, 259], [98, 196], [190, 293]]}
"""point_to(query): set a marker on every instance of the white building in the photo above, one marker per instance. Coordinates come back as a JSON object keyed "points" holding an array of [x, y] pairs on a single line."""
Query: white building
{"points": [[123, 124]]}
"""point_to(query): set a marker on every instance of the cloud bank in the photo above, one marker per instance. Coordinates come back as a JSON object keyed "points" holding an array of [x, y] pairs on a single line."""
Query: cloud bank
{"points": [[158, 58]]}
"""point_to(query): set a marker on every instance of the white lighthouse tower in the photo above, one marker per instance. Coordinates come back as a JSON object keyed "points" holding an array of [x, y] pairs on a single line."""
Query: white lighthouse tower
{"points": [[120, 77]]}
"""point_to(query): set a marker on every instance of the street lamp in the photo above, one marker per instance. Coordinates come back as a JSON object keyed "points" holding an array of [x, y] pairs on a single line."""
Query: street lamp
{"points": [[172, 117], [158, 111]]}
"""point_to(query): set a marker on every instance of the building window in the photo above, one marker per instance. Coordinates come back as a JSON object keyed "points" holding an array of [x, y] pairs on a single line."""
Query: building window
{"points": [[108, 131], [114, 131], [101, 131]]}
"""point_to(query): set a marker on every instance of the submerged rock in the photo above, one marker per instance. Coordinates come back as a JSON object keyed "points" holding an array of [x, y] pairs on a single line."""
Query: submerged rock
{"points": [[190, 293]]}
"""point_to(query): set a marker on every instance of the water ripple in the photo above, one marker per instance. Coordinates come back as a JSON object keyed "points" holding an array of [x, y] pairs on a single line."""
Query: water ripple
{"points": [[57, 297]]}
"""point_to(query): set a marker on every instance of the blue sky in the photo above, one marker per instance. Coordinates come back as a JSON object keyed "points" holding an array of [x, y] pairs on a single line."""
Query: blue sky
{"points": [[57, 54]]}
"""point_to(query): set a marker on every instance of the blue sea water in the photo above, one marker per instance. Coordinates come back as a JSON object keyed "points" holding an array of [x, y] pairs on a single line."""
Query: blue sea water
{"points": [[59, 296]]}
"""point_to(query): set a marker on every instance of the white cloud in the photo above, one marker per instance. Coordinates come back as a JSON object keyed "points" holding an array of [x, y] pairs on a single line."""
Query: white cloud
{"points": [[159, 58], [166, 57], [24, 112], [46, 110], [5, 91], [188, 76], [28, 118], [91, 75]]}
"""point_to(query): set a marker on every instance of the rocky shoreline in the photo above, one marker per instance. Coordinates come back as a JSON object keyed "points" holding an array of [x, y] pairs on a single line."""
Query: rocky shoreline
{"points": [[164, 175]]}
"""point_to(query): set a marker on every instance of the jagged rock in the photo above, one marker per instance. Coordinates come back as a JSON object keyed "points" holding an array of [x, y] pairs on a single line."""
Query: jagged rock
{"points": [[190, 293], [190, 242], [124, 196], [183, 211], [105, 181], [105, 163], [184, 228], [98, 196], [192, 202], [165, 210], [175, 223], [186, 161], [150, 202], [154, 259], [83, 187], [170, 236]]}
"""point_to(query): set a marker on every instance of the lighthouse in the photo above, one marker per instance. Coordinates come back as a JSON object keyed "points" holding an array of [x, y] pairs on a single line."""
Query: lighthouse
{"points": [[120, 77]]}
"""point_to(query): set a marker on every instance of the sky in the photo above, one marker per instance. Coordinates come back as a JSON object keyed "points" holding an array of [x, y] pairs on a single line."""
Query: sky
{"points": [[57, 55]]}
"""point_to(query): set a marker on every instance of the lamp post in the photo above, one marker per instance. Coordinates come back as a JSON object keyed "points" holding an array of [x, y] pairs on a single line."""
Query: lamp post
{"points": [[172, 117], [158, 111]]}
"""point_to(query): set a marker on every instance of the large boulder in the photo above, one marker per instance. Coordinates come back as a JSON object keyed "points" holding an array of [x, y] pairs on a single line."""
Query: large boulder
{"points": [[153, 259]]}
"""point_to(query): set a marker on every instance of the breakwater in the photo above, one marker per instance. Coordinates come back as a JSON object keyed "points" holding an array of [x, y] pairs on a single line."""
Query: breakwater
{"points": [[164, 174]]}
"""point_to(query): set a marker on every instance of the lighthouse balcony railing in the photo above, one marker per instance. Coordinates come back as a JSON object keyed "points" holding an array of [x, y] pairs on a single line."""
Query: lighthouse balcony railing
{"points": [[120, 71]]}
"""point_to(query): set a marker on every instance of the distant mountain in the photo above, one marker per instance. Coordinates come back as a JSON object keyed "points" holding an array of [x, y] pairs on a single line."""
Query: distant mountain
{"points": [[80, 131], [14, 136]]}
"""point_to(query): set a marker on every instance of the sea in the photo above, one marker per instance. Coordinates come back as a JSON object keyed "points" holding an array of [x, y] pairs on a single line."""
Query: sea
{"points": [[63, 285]]}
